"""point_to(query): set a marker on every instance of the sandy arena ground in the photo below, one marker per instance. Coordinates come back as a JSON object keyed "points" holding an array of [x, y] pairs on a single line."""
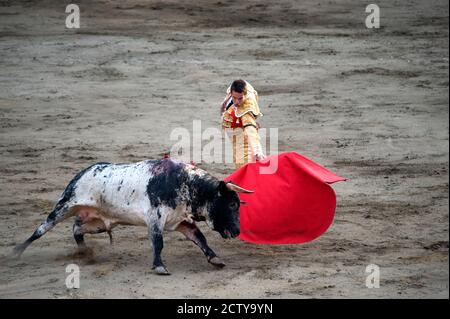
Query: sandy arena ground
{"points": [[369, 104]]}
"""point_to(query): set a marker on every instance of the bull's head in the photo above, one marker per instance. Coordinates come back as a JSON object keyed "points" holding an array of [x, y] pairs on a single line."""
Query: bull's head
{"points": [[224, 210]]}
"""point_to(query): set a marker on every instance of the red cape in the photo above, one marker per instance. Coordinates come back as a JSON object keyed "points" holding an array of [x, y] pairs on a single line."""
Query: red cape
{"points": [[293, 205]]}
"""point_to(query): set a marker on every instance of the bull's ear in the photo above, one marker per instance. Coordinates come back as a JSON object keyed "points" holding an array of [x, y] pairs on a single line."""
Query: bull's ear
{"points": [[238, 189]]}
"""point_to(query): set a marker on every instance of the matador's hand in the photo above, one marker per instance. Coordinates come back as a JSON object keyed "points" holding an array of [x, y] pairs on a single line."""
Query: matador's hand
{"points": [[260, 157]]}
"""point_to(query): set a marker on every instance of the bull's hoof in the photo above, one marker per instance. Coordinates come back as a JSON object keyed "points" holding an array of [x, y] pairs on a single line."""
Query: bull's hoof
{"points": [[161, 270], [215, 261]]}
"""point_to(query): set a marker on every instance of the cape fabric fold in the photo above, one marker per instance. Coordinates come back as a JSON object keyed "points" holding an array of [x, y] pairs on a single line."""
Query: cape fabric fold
{"points": [[295, 204]]}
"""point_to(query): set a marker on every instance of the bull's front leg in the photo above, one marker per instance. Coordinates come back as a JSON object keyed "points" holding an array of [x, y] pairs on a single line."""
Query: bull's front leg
{"points": [[191, 232], [156, 238]]}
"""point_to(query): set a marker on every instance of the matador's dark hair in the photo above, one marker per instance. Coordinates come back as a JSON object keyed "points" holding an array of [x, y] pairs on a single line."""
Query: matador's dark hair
{"points": [[238, 86]]}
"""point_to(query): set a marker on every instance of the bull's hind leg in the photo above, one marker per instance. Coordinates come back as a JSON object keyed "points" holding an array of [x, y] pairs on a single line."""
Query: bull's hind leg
{"points": [[191, 232], [80, 228], [59, 213]]}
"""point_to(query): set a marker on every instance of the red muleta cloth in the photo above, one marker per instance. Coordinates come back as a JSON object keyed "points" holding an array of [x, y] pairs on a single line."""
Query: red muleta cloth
{"points": [[293, 205]]}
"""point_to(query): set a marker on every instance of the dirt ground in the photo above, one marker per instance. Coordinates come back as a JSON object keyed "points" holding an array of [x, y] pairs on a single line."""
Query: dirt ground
{"points": [[368, 104]]}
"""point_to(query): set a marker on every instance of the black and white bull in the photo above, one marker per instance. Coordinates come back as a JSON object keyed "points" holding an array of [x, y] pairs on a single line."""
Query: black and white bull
{"points": [[160, 194]]}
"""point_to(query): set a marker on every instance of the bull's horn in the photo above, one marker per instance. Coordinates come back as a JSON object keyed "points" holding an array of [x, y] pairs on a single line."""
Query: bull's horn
{"points": [[234, 187]]}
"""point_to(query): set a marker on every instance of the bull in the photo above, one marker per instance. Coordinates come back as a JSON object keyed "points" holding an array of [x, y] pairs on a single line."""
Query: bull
{"points": [[162, 194]]}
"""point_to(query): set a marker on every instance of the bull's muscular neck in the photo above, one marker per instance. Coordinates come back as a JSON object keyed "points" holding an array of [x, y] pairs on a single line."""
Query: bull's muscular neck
{"points": [[173, 183], [202, 190]]}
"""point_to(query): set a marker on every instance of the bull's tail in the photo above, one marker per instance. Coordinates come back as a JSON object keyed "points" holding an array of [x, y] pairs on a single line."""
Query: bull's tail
{"points": [[41, 230], [55, 217]]}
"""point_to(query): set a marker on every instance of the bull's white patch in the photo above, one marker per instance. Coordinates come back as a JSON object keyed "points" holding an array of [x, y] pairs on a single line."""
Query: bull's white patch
{"points": [[118, 193]]}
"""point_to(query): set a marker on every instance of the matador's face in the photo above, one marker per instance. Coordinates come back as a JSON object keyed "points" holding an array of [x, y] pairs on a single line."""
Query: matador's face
{"points": [[237, 97]]}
